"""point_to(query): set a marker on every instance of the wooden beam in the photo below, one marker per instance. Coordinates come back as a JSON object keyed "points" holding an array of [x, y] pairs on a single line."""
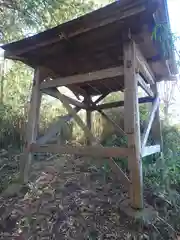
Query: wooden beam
{"points": [[149, 123], [144, 86], [32, 126], [55, 93], [82, 78], [149, 150], [95, 151], [132, 125], [118, 104], [144, 67], [55, 127]]}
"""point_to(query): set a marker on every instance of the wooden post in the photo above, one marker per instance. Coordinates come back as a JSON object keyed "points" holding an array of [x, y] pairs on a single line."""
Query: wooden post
{"points": [[156, 125], [88, 117], [132, 125], [32, 126]]}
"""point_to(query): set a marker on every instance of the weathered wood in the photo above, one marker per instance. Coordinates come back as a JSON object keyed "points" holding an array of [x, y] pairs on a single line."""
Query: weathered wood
{"points": [[96, 151], [156, 125], [118, 104], [144, 68], [81, 78], [55, 127], [149, 123], [32, 126], [132, 125], [149, 150], [144, 86], [55, 93]]}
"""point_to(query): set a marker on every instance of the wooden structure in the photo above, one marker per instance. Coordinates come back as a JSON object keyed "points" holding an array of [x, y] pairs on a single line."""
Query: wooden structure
{"points": [[105, 51]]}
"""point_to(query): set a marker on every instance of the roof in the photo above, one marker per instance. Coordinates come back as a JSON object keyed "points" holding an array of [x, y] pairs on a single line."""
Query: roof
{"points": [[94, 41]]}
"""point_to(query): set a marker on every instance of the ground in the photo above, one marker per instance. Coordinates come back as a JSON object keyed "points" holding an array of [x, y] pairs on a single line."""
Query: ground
{"points": [[72, 198]]}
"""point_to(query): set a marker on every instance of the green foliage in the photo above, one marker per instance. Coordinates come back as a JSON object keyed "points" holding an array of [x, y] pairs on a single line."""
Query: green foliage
{"points": [[168, 40], [22, 17], [10, 122]]}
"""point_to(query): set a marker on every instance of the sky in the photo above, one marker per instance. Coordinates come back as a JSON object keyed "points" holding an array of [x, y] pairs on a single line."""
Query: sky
{"points": [[174, 14]]}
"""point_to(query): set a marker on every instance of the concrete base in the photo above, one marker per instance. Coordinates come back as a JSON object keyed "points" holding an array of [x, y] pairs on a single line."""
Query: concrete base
{"points": [[147, 214]]}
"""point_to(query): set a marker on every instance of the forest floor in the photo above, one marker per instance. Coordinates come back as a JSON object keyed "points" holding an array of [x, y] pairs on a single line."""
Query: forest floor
{"points": [[75, 199]]}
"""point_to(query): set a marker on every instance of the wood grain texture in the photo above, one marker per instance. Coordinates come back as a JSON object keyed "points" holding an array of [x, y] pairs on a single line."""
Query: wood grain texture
{"points": [[82, 78], [32, 126], [132, 125], [95, 151]]}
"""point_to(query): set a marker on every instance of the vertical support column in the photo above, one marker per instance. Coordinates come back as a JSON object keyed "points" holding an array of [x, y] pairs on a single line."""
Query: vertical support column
{"points": [[88, 117], [132, 125], [32, 126], [156, 125]]}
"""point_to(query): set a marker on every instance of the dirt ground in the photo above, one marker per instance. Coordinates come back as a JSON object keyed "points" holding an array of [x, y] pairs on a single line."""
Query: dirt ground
{"points": [[71, 199]]}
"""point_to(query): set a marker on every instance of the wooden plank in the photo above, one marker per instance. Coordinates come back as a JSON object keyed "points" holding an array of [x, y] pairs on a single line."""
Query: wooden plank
{"points": [[144, 67], [55, 127], [132, 125], [144, 86], [149, 150], [82, 78], [55, 93], [32, 126], [149, 123], [118, 104], [95, 151]]}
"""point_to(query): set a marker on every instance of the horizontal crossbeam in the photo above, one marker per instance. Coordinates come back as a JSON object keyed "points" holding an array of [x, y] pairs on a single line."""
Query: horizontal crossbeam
{"points": [[95, 151], [118, 104], [81, 78]]}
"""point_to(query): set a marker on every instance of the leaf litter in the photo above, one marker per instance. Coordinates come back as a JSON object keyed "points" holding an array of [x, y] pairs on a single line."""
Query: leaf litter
{"points": [[69, 198]]}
